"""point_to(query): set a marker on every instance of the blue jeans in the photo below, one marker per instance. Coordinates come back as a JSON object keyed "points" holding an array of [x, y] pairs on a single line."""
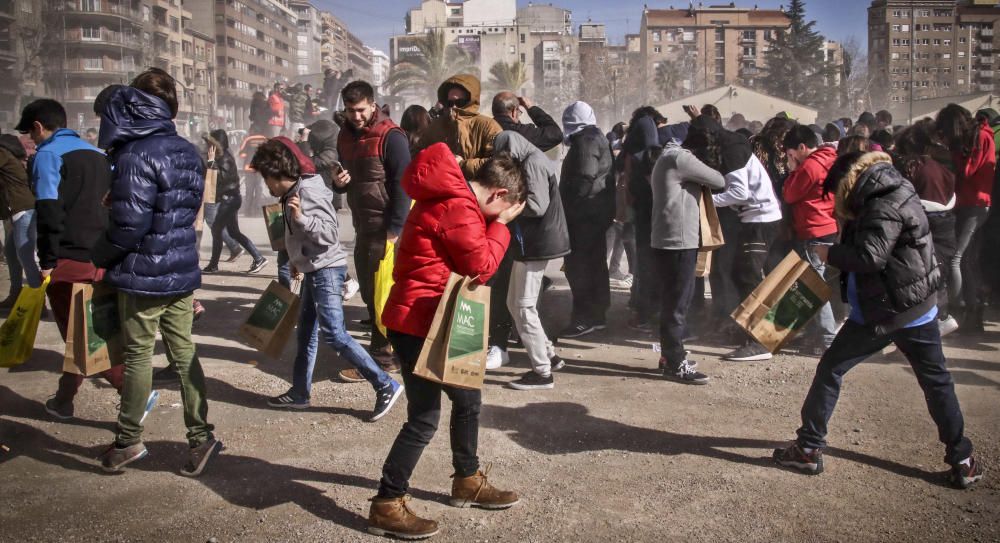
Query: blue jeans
{"points": [[211, 210], [922, 347], [825, 324], [284, 270], [323, 311], [19, 251]]}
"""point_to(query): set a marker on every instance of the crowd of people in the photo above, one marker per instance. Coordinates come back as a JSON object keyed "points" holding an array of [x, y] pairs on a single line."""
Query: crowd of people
{"points": [[898, 216]]}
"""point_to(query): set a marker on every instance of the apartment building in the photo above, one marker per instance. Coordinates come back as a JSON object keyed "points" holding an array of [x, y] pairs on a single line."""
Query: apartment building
{"points": [[10, 12], [612, 73], [256, 43], [309, 38], [923, 49], [341, 50], [380, 68], [708, 46]]}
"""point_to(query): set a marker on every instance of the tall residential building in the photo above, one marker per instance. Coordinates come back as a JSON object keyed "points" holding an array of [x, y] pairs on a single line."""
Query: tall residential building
{"points": [[380, 69], [256, 42], [920, 49], [706, 47], [342, 50], [612, 74], [10, 12], [309, 38]]}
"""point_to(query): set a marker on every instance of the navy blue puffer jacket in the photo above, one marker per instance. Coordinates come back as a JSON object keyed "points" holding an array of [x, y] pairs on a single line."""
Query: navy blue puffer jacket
{"points": [[149, 247]]}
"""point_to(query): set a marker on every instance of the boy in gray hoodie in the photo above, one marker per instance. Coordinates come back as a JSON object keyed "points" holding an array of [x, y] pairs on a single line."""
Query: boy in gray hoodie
{"points": [[313, 246]]}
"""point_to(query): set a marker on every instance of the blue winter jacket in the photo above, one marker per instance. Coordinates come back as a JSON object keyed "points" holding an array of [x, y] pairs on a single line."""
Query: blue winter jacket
{"points": [[156, 190]]}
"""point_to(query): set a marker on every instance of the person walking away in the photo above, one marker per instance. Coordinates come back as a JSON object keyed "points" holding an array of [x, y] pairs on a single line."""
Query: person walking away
{"points": [[260, 115], [890, 277], [374, 153], [587, 190], [150, 254], [69, 178], [539, 236], [974, 156], [229, 201], [812, 216], [677, 181], [17, 211], [546, 134], [322, 137], [640, 151], [455, 226], [313, 245], [275, 102], [211, 211]]}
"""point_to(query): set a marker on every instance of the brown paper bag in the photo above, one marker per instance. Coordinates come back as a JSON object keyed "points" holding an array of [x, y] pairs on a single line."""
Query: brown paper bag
{"points": [[207, 197], [93, 333], [711, 227], [454, 352], [274, 221], [781, 306], [704, 266], [272, 320]]}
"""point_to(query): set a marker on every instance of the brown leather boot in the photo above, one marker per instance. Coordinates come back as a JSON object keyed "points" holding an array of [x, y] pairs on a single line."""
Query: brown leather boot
{"points": [[477, 491], [391, 516]]}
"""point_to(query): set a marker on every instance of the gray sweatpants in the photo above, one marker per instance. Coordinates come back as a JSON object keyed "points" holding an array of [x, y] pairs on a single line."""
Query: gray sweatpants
{"points": [[522, 301]]}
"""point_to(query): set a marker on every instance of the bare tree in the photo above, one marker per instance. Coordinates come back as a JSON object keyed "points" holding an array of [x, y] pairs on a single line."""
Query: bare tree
{"points": [[32, 49], [861, 88]]}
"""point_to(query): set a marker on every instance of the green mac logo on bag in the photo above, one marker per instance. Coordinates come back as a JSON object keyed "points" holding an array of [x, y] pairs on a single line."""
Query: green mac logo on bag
{"points": [[268, 312], [795, 308], [467, 331]]}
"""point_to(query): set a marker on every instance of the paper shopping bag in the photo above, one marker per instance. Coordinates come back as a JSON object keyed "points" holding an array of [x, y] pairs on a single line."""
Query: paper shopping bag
{"points": [[272, 320], [17, 335], [383, 283], [454, 352], [274, 220], [711, 227], [703, 268], [93, 333], [207, 197], [787, 299]]}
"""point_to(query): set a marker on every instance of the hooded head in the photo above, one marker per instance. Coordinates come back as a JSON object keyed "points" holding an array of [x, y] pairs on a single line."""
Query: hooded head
{"points": [[577, 116], [12, 144], [322, 136], [130, 114], [220, 139], [468, 83]]}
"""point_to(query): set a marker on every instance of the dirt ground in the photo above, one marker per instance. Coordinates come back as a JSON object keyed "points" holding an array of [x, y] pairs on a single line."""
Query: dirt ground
{"points": [[613, 453]]}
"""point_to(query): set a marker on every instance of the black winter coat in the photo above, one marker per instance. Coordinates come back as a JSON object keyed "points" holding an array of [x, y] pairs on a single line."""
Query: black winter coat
{"points": [[544, 134], [587, 183], [149, 247], [886, 243], [228, 181]]}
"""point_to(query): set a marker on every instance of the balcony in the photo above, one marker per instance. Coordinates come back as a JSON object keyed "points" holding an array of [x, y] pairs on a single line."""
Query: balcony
{"points": [[985, 87], [106, 68], [107, 8], [985, 74], [104, 37], [986, 34], [984, 47], [749, 71]]}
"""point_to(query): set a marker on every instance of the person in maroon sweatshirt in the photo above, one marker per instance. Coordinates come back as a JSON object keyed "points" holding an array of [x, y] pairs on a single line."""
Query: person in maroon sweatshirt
{"points": [[812, 215]]}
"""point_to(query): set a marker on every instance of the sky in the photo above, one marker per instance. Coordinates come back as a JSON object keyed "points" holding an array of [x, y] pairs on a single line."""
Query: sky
{"points": [[375, 21]]}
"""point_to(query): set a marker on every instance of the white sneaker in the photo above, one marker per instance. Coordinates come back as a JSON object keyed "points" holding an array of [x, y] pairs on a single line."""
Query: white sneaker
{"points": [[351, 287], [496, 358], [948, 325]]}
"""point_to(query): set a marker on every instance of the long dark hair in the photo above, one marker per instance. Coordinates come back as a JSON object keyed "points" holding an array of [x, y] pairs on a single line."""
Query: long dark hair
{"points": [[853, 144], [956, 128], [415, 120], [705, 145]]}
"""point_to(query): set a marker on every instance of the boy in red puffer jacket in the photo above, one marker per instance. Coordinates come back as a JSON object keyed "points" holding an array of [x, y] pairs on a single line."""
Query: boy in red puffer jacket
{"points": [[454, 226], [812, 214]]}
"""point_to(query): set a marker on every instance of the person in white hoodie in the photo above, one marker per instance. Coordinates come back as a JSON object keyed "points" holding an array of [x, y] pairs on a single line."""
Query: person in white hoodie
{"points": [[313, 246], [750, 192]]}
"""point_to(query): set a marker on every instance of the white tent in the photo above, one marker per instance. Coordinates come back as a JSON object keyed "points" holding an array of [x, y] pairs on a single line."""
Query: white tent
{"points": [[730, 99], [931, 106]]}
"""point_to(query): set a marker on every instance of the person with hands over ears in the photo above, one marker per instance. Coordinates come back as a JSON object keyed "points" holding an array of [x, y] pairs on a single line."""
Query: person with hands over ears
{"points": [[455, 226]]}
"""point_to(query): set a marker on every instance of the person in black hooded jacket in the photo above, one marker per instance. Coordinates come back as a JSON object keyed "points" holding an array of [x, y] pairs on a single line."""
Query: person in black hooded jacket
{"points": [[228, 200], [890, 277]]}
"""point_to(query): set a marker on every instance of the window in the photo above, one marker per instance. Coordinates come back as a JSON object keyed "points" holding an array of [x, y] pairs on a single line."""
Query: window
{"points": [[895, 28], [656, 49], [96, 63], [750, 51], [656, 35], [522, 38], [90, 5], [90, 33]]}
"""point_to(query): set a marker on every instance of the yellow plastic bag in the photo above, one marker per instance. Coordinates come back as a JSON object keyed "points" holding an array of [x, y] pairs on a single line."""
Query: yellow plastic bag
{"points": [[17, 335], [383, 283]]}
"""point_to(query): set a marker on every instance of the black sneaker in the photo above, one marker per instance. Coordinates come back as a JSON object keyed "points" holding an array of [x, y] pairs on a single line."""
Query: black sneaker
{"points": [[749, 352], [963, 476], [257, 265], [166, 375], [557, 363], [287, 401], [693, 364], [793, 456], [199, 456], [602, 325], [211, 268], [577, 330], [532, 381], [115, 458], [61, 411], [685, 374], [385, 399]]}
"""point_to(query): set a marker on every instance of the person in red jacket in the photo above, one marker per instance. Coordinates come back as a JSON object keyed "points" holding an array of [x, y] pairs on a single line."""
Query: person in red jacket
{"points": [[973, 151], [812, 214], [454, 227], [277, 105]]}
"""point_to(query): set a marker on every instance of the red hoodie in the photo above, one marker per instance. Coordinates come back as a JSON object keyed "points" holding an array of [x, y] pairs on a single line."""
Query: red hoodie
{"points": [[812, 214], [445, 232], [975, 172]]}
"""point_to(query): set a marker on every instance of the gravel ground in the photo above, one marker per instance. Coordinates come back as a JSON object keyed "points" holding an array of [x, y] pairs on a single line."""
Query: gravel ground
{"points": [[611, 454]]}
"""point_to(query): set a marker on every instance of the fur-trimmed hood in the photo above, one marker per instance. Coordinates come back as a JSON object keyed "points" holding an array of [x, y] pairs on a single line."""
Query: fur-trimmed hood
{"points": [[851, 195]]}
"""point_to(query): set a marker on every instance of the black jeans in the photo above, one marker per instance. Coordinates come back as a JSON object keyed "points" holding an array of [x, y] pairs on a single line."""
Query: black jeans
{"points": [[922, 348], [677, 274], [724, 295], [753, 246], [423, 411], [587, 271], [228, 218], [647, 287], [943, 234], [501, 321], [369, 250]]}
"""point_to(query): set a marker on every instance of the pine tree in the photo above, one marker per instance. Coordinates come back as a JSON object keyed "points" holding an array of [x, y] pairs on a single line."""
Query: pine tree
{"points": [[796, 67]]}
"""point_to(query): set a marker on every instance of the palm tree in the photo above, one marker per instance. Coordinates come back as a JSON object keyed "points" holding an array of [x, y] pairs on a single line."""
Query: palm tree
{"points": [[437, 61], [666, 79], [504, 76]]}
